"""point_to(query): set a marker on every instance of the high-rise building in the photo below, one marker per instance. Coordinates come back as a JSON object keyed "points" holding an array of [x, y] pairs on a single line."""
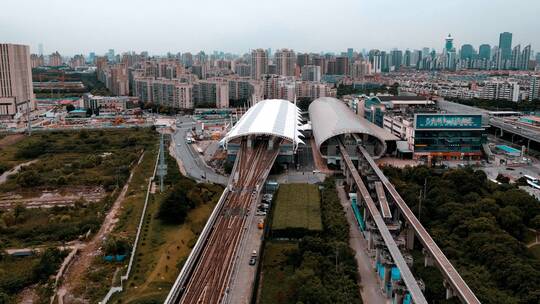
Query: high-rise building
{"points": [[535, 88], [16, 90], [525, 58], [40, 49], [259, 63], [375, 61], [505, 45], [449, 44], [515, 59], [110, 55], [285, 62], [350, 53], [407, 58], [302, 59], [342, 65], [484, 52], [311, 73], [396, 58], [55, 59], [467, 52], [91, 58]]}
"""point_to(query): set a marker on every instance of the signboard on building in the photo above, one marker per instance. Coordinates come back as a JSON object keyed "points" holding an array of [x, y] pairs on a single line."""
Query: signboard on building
{"points": [[448, 121]]}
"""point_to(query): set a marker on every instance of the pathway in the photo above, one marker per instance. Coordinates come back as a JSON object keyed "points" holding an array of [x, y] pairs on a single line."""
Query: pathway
{"points": [[15, 169], [370, 291], [82, 262]]}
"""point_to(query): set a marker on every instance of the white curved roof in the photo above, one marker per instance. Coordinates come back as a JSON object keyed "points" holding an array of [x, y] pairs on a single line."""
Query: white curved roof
{"points": [[331, 117], [276, 117]]}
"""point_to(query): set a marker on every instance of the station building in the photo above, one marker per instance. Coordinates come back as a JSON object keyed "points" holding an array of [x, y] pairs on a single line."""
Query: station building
{"points": [[332, 121], [271, 120]]}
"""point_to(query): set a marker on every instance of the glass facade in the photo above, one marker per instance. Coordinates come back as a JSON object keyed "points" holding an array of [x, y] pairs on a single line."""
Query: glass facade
{"points": [[466, 141]]}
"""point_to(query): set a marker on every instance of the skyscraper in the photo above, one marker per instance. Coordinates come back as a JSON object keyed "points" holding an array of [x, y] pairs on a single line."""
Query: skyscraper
{"points": [[449, 44], [525, 58], [375, 60], [396, 58], [535, 88], [285, 62], [350, 52], [16, 90], [467, 52], [516, 57], [259, 63], [40, 49], [484, 52], [505, 45], [110, 55]]}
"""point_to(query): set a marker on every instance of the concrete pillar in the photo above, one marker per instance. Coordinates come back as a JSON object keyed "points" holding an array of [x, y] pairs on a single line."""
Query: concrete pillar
{"points": [[449, 292], [270, 144], [249, 142], [386, 281], [398, 298], [428, 260], [410, 237]]}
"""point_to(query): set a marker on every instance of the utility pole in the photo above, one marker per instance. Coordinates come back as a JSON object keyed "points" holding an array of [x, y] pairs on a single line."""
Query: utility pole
{"points": [[162, 167]]}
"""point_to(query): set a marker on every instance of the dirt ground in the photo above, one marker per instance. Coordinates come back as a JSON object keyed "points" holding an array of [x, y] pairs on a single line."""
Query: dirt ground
{"points": [[10, 140], [75, 271], [48, 199]]}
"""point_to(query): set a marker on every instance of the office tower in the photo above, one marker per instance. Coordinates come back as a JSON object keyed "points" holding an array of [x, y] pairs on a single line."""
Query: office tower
{"points": [[505, 45], [285, 62], [467, 52], [396, 58], [259, 63], [302, 59], [342, 65], [407, 58], [417, 57], [187, 59], [537, 58], [525, 58], [535, 87], [515, 59], [55, 59], [449, 44], [425, 52], [110, 55], [385, 62], [484, 52], [375, 61], [91, 58], [16, 90], [350, 52], [311, 73], [40, 49]]}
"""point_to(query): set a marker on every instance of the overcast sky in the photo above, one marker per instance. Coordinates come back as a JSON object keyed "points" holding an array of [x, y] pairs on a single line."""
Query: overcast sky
{"points": [[160, 26]]}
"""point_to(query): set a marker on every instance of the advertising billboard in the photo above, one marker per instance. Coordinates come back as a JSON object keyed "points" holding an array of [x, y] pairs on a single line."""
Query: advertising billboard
{"points": [[448, 121]]}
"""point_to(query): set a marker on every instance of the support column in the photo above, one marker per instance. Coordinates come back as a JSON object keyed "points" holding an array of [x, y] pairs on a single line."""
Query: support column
{"points": [[449, 291], [270, 144], [410, 237], [428, 260], [249, 142]]}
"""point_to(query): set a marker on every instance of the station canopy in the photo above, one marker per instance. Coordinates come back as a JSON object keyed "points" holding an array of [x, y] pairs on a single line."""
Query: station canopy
{"points": [[274, 117]]}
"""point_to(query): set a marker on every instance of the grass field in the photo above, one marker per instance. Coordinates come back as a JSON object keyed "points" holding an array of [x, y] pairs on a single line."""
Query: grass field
{"points": [[275, 272], [297, 206]]}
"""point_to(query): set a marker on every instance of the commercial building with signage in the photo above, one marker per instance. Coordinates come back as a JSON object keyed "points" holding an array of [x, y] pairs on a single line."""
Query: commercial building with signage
{"points": [[448, 136]]}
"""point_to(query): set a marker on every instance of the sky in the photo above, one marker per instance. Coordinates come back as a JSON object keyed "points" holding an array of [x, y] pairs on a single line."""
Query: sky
{"points": [[237, 26]]}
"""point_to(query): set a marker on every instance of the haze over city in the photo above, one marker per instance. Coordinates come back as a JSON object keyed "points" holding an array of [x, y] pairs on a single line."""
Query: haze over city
{"points": [[270, 152], [240, 25]]}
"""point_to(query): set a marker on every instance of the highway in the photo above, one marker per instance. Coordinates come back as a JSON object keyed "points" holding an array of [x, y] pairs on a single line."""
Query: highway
{"points": [[206, 275], [462, 290], [518, 129]]}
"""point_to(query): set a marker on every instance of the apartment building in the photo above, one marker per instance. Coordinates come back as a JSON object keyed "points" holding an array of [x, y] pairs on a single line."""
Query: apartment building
{"points": [[16, 90]]}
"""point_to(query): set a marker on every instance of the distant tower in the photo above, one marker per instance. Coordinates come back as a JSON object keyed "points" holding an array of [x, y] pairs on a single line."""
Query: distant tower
{"points": [[40, 49], [449, 46]]}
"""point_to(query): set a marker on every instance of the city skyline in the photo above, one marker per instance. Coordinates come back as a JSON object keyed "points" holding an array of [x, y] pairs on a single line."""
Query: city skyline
{"points": [[237, 26]]}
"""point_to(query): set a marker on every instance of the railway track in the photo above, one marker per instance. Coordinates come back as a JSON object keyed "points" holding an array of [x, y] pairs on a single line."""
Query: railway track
{"points": [[209, 280]]}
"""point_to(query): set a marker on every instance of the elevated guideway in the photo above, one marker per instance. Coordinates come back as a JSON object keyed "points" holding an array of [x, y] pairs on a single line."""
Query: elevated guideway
{"points": [[456, 283]]}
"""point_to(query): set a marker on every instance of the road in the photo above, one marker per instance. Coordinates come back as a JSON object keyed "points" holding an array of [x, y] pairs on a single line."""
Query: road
{"points": [[4, 176], [191, 161], [371, 289]]}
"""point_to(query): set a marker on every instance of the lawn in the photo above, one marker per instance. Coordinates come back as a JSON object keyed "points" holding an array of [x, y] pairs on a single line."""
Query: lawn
{"points": [[297, 206], [275, 272]]}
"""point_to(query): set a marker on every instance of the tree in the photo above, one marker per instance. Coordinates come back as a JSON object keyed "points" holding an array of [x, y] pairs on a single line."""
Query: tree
{"points": [[174, 208], [28, 178], [50, 259]]}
